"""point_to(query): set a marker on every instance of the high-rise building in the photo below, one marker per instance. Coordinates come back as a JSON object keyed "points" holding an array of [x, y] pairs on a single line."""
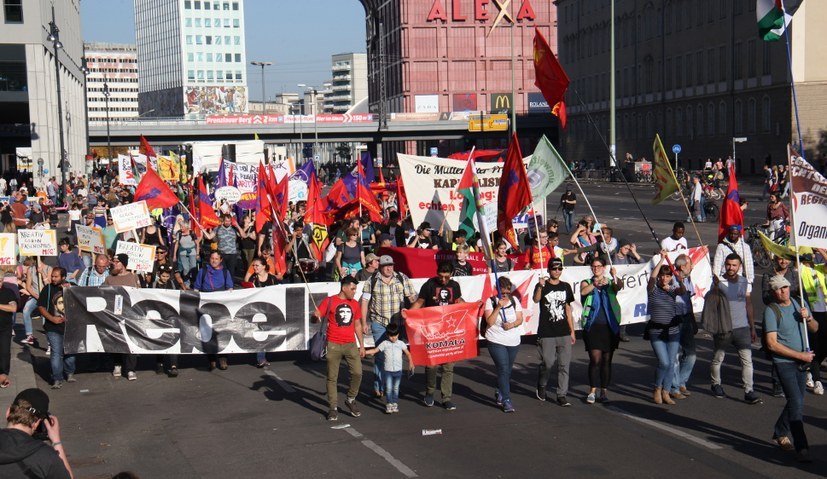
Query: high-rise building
{"points": [[349, 84], [34, 112], [697, 73], [113, 70], [191, 57]]}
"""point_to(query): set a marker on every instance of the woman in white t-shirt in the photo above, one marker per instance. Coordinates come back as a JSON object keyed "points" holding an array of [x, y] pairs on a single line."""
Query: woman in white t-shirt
{"points": [[504, 319]]}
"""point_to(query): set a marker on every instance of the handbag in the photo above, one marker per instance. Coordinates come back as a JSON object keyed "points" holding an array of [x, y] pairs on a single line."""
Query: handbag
{"points": [[318, 342]]}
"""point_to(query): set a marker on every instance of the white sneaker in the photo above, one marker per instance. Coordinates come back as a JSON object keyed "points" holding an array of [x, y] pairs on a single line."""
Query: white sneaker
{"points": [[117, 371], [810, 383], [131, 376], [818, 389]]}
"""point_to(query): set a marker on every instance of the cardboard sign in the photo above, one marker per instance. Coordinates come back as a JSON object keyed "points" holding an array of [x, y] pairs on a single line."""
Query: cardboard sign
{"points": [[229, 194], [90, 239], [131, 216], [141, 256], [37, 242], [7, 243]]}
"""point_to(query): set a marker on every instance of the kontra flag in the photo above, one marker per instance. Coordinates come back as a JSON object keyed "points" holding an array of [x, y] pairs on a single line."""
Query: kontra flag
{"points": [[665, 182], [550, 77], [809, 197]]}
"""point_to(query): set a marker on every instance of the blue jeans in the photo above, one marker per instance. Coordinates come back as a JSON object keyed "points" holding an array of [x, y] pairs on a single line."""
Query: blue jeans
{"points": [[378, 332], [503, 357], [60, 364], [791, 419], [685, 359], [186, 260], [666, 352], [28, 309], [568, 217], [392, 380]]}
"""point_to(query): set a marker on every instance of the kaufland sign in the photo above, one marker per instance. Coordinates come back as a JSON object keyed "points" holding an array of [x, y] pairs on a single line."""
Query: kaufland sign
{"points": [[484, 10]]}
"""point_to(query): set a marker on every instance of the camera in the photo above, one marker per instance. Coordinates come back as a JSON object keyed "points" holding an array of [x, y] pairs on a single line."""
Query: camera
{"points": [[41, 434]]}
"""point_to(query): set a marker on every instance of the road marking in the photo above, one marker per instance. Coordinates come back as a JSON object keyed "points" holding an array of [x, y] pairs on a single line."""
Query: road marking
{"points": [[399, 465], [670, 430], [281, 382]]}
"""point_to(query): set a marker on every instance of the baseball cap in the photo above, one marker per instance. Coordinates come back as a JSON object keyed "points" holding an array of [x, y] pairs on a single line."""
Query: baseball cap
{"points": [[778, 282], [385, 260], [38, 400], [370, 257], [123, 258], [555, 262]]}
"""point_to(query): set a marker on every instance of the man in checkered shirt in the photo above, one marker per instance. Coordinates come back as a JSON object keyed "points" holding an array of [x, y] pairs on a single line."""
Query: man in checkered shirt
{"points": [[383, 298]]}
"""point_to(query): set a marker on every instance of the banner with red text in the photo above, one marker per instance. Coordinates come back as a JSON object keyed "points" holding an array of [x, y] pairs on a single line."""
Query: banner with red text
{"points": [[809, 192], [443, 334]]}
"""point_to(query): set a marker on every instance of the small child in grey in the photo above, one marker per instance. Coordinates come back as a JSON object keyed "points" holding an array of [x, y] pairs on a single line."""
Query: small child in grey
{"points": [[392, 369]]}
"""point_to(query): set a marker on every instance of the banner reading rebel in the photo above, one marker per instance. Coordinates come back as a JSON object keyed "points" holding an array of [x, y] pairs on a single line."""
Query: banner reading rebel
{"points": [[443, 334], [809, 193]]}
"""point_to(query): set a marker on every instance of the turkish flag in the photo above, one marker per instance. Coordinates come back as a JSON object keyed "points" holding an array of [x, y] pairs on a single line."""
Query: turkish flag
{"points": [[550, 77], [443, 334], [154, 191], [514, 193]]}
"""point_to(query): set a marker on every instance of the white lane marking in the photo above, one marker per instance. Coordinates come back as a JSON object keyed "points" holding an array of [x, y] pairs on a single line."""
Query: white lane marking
{"points": [[670, 430], [281, 382], [399, 465]]}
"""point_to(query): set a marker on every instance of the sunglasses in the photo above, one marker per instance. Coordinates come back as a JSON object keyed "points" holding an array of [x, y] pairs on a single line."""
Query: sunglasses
{"points": [[557, 268]]}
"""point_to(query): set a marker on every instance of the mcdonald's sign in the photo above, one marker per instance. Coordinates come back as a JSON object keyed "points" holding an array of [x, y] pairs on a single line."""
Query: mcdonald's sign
{"points": [[501, 103]]}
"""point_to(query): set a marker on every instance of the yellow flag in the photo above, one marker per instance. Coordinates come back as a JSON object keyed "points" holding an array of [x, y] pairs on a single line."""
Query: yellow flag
{"points": [[665, 182], [780, 250], [255, 136]]}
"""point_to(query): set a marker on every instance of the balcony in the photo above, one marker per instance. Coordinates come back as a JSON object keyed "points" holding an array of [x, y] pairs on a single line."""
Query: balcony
{"points": [[340, 87], [338, 67]]}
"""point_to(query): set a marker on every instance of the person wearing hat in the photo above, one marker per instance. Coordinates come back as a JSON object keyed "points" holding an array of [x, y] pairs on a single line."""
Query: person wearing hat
{"points": [[814, 281], [385, 241], [555, 330], [783, 321], [23, 456], [371, 266], [567, 203], [782, 266], [734, 243], [383, 296], [120, 276]]}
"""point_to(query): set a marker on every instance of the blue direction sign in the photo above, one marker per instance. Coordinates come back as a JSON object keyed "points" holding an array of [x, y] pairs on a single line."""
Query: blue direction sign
{"points": [[676, 149]]}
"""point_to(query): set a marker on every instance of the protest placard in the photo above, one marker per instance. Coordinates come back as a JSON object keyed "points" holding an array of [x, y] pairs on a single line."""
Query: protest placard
{"points": [[7, 256], [90, 239], [37, 242], [130, 216], [141, 256]]}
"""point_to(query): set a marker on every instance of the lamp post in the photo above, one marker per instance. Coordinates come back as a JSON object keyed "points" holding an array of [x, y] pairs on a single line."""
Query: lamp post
{"points": [[54, 37], [301, 124], [315, 92], [263, 97], [106, 94], [84, 67]]}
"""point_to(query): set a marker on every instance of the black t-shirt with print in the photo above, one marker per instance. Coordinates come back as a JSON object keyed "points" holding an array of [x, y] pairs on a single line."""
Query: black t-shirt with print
{"points": [[553, 323], [436, 294]]}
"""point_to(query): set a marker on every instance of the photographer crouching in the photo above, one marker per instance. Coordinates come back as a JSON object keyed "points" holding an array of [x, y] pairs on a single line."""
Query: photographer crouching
{"points": [[23, 452]]}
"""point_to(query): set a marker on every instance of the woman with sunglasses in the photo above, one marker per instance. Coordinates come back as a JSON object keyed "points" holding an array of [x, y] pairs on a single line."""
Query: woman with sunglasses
{"points": [[662, 330], [601, 325], [350, 257], [504, 318]]}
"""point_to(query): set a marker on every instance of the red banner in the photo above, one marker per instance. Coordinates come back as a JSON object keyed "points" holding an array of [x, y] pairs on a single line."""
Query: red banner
{"points": [[422, 263], [443, 334]]}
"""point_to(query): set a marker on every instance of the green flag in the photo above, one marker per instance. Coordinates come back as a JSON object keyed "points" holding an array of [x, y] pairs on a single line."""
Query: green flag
{"points": [[546, 170]]}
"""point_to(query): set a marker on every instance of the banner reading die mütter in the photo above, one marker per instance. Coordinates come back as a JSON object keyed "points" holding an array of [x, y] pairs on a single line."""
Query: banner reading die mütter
{"points": [[443, 334]]}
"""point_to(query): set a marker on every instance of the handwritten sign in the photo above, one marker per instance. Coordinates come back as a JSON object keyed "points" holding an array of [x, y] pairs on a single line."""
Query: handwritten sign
{"points": [[141, 256], [37, 242], [131, 216], [229, 194], [7, 256], [90, 239]]}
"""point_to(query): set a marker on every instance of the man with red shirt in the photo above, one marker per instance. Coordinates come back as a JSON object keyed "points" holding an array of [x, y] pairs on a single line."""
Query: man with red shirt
{"points": [[344, 340], [541, 251]]}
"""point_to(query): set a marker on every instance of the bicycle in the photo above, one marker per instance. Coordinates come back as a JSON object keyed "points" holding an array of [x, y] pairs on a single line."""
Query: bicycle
{"points": [[712, 211], [760, 256]]}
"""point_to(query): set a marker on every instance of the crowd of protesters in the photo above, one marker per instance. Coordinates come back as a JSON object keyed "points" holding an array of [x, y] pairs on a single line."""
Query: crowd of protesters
{"points": [[234, 254]]}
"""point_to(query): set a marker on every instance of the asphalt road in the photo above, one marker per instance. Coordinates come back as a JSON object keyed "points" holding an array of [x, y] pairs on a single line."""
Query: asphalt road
{"points": [[248, 422]]}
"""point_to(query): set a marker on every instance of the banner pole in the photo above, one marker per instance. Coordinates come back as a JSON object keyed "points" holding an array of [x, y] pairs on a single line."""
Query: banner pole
{"points": [[804, 336]]}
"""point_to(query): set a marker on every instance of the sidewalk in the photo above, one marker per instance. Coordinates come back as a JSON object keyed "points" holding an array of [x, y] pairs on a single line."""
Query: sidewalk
{"points": [[21, 374]]}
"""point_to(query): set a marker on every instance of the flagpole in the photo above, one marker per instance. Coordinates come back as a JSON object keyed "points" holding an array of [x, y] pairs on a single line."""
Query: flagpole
{"points": [[792, 80], [804, 336]]}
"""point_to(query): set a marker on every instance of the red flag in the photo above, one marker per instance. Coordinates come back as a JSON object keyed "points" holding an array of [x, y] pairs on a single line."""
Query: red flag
{"points": [[514, 193], [231, 178], [279, 246], [154, 191], [401, 199], [338, 195], [368, 201], [731, 213], [550, 77], [206, 215], [381, 177], [264, 212], [145, 148], [194, 224]]}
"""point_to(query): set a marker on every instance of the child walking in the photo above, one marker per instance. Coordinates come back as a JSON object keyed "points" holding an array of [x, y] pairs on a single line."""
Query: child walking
{"points": [[393, 349]]}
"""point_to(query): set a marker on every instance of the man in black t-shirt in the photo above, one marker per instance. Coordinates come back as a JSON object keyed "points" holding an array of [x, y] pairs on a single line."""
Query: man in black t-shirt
{"points": [[439, 291], [8, 308], [555, 331], [51, 307]]}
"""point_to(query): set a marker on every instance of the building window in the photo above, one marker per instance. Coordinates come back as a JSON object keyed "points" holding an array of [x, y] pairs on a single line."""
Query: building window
{"points": [[237, 40], [238, 58], [188, 22], [738, 61], [209, 57], [710, 66], [209, 39], [13, 10], [722, 120], [198, 23], [235, 5], [228, 57], [209, 75], [187, 4], [699, 120], [189, 39], [206, 5], [752, 115], [226, 5], [739, 117], [238, 76], [199, 39], [197, 5], [722, 63], [766, 118], [766, 61], [191, 75], [236, 23], [751, 54], [218, 39]]}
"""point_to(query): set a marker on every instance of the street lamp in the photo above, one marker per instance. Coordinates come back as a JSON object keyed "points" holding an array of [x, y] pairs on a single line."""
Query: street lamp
{"points": [[315, 91], [301, 124], [737, 139], [54, 37], [263, 97], [146, 113], [84, 67], [106, 94]]}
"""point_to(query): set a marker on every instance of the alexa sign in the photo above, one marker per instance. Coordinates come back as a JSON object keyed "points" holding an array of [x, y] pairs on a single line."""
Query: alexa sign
{"points": [[482, 11]]}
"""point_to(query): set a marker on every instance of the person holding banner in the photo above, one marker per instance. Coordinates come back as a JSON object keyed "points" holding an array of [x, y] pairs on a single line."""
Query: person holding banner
{"points": [[601, 325], [555, 331], [262, 278], [120, 276], [440, 291], [685, 360], [663, 328], [214, 277], [55, 326], [504, 318], [164, 280]]}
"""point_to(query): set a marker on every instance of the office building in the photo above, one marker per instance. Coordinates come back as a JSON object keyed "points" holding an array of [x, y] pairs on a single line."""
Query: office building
{"points": [[114, 68], [349, 83]]}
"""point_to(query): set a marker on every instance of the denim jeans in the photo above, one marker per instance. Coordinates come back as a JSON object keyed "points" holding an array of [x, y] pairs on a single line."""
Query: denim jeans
{"points": [[503, 357], [740, 338], [186, 260], [666, 352], [60, 364], [686, 357], [791, 419], [377, 330], [392, 380], [28, 309], [554, 350], [335, 353], [568, 217]]}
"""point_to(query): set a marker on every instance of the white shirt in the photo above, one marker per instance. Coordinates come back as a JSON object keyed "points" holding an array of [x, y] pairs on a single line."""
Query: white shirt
{"points": [[671, 244], [496, 333]]}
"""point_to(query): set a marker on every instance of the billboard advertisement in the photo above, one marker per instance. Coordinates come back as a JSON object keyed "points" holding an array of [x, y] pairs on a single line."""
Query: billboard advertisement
{"points": [[537, 104], [426, 103], [200, 101]]}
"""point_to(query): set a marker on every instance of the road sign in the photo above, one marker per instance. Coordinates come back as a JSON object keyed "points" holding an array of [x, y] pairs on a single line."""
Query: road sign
{"points": [[434, 151], [316, 158], [676, 149], [496, 122]]}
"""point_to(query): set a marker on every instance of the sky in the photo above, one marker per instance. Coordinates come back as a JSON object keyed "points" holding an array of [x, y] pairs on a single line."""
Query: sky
{"points": [[298, 36]]}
